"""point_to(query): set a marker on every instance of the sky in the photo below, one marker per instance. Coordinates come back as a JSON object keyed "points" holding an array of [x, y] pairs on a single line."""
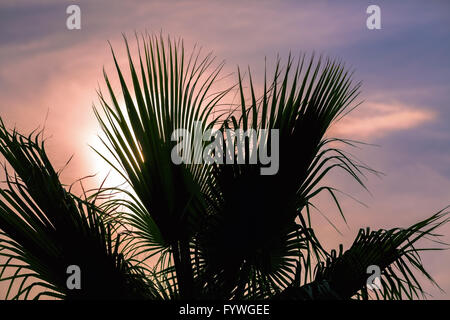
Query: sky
{"points": [[49, 76]]}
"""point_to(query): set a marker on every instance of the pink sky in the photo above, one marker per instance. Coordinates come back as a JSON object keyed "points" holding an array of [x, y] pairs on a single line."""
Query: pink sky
{"points": [[46, 68]]}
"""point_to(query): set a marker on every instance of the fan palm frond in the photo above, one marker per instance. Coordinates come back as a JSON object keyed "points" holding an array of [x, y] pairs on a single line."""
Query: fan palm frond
{"points": [[172, 92], [255, 212], [46, 229], [393, 252]]}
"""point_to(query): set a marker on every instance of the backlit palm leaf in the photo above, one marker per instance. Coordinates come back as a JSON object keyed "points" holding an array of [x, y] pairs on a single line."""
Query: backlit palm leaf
{"points": [[45, 229], [171, 93]]}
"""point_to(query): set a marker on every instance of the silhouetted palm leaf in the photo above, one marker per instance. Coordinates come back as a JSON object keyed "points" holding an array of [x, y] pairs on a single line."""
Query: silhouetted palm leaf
{"points": [[393, 251], [254, 234], [46, 229]]}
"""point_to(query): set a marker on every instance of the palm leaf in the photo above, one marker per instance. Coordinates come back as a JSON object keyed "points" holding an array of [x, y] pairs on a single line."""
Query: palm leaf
{"points": [[45, 229], [172, 92], [394, 251], [253, 212]]}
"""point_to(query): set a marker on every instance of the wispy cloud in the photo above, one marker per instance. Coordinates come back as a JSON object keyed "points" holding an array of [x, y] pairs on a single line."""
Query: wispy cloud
{"points": [[380, 119]]}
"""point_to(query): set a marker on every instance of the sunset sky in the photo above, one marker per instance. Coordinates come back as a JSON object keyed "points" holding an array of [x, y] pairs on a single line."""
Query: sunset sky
{"points": [[49, 75]]}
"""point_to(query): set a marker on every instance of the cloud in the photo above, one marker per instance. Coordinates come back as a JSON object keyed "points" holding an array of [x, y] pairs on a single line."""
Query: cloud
{"points": [[379, 119]]}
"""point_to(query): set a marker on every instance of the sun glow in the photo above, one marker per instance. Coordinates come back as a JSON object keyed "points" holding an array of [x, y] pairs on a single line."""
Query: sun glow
{"points": [[104, 172]]}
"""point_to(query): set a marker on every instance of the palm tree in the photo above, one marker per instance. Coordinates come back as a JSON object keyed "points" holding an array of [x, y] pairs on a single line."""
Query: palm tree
{"points": [[200, 231]]}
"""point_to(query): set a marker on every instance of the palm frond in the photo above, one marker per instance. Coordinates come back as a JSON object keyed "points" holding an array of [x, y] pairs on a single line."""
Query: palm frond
{"points": [[172, 92], [252, 211], [45, 229], [394, 252]]}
